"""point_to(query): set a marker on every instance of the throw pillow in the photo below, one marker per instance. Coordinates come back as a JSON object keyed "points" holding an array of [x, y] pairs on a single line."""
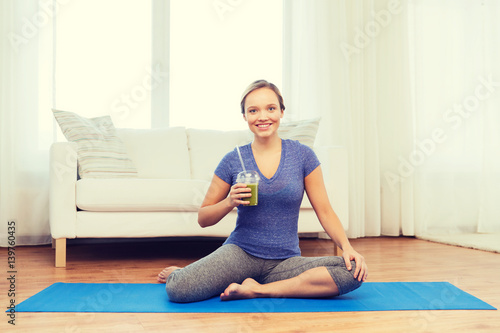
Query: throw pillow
{"points": [[303, 130], [101, 154]]}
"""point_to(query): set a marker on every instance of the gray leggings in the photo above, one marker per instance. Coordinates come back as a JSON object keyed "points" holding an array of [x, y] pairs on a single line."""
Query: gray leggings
{"points": [[211, 275]]}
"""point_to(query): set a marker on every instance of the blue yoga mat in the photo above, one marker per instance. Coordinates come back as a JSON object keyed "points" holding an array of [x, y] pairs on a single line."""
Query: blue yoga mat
{"points": [[371, 296]]}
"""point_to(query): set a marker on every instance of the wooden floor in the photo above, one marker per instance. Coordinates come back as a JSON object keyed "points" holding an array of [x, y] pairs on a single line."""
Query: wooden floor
{"points": [[389, 259]]}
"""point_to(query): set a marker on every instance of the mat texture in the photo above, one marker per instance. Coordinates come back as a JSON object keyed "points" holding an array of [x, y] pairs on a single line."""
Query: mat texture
{"points": [[371, 296]]}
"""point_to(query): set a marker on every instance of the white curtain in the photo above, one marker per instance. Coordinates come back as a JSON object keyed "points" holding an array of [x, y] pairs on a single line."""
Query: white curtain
{"points": [[383, 75], [331, 71], [456, 48], [23, 149]]}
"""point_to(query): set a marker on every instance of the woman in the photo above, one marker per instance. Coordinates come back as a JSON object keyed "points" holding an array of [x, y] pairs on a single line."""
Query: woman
{"points": [[261, 257]]}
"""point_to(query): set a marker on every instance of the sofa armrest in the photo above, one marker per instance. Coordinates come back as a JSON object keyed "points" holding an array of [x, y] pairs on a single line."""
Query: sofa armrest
{"points": [[62, 186], [336, 176]]}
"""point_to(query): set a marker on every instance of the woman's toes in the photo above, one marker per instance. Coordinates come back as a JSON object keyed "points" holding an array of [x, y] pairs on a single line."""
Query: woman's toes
{"points": [[164, 274]]}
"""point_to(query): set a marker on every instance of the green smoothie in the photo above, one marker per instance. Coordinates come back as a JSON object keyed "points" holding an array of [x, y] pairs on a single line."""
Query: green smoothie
{"points": [[254, 199]]}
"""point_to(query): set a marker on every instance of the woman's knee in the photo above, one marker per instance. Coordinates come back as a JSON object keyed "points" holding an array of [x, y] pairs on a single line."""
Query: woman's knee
{"points": [[344, 278], [183, 288]]}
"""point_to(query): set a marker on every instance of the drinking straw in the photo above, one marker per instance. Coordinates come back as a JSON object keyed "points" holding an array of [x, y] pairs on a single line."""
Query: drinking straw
{"points": [[241, 159]]}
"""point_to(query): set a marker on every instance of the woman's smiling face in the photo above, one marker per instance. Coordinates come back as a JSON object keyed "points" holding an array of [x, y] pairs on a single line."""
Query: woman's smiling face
{"points": [[262, 112]]}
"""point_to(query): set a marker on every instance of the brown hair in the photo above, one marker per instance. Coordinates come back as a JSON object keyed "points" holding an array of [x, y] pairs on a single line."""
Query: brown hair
{"points": [[257, 85]]}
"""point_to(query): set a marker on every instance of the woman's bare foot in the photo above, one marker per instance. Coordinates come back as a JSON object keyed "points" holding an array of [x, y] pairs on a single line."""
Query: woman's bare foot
{"points": [[248, 289], [162, 277]]}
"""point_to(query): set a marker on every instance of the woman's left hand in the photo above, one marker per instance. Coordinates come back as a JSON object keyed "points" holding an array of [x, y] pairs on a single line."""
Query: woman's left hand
{"points": [[361, 271]]}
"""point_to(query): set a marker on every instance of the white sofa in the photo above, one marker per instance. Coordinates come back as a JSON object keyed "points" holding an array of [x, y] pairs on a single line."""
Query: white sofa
{"points": [[175, 166]]}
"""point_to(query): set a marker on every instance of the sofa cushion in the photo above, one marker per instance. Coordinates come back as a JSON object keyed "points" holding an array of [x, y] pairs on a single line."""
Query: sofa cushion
{"points": [[208, 147], [100, 153], [140, 195], [158, 153]]}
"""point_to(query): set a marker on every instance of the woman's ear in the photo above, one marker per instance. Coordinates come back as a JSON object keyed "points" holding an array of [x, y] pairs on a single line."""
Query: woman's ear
{"points": [[244, 117]]}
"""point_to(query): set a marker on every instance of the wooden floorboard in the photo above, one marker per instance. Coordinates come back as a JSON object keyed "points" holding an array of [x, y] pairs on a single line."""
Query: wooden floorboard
{"points": [[389, 259]]}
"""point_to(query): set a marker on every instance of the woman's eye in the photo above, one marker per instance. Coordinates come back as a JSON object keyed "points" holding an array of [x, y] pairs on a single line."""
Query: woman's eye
{"points": [[272, 108]]}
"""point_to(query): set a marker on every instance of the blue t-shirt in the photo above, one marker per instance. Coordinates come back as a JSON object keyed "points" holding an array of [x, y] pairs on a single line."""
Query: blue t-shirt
{"points": [[269, 230]]}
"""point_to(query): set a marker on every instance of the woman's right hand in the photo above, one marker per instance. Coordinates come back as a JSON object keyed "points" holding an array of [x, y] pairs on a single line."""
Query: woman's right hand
{"points": [[237, 193], [221, 198]]}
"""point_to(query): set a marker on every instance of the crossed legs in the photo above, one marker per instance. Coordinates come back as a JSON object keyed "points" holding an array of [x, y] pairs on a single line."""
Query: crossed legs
{"points": [[234, 274]]}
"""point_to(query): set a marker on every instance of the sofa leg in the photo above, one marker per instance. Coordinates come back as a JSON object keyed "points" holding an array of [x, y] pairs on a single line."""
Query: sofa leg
{"points": [[337, 251], [60, 252]]}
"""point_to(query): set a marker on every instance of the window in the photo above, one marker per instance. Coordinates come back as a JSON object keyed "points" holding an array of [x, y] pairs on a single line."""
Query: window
{"points": [[105, 60]]}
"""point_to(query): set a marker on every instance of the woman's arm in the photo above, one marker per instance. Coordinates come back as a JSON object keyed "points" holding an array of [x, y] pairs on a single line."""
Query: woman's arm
{"points": [[218, 204], [316, 192]]}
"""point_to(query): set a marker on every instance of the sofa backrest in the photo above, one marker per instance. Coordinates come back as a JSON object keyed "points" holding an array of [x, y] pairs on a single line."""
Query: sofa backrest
{"points": [[208, 147], [158, 153], [179, 153]]}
